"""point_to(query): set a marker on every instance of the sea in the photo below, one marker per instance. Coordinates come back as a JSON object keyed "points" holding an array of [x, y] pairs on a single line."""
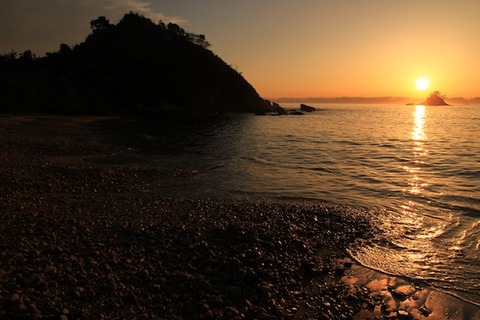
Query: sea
{"points": [[414, 169]]}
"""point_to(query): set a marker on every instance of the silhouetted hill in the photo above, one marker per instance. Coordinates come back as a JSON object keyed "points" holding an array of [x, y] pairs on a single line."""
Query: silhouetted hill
{"points": [[133, 67]]}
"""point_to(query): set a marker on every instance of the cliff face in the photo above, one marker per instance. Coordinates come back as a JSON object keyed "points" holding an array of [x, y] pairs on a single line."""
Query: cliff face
{"points": [[133, 67]]}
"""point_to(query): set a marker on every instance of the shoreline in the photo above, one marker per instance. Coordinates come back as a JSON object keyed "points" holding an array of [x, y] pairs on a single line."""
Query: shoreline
{"points": [[409, 298], [84, 239]]}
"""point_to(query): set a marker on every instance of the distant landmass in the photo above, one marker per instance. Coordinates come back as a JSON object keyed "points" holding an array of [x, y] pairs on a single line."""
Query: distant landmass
{"points": [[133, 67], [375, 100]]}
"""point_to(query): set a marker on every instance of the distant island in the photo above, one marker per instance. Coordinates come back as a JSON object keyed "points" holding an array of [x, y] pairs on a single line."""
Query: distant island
{"points": [[369, 100], [133, 67], [434, 99]]}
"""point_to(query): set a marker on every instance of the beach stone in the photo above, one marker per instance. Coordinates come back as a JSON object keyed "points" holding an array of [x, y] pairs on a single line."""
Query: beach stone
{"points": [[404, 315], [111, 286], [15, 298], [265, 291], [32, 308], [208, 314], [263, 315]]}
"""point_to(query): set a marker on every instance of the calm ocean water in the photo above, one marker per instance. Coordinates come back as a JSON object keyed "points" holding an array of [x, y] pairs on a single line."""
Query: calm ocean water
{"points": [[415, 169]]}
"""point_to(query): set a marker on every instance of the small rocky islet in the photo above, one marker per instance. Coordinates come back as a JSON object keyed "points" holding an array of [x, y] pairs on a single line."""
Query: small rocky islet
{"points": [[434, 99]]}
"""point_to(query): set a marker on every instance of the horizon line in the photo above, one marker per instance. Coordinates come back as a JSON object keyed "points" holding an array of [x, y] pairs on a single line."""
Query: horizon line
{"points": [[351, 98]]}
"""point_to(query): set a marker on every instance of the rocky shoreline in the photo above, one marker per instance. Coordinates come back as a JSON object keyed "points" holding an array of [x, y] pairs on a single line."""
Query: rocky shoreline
{"points": [[85, 240]]}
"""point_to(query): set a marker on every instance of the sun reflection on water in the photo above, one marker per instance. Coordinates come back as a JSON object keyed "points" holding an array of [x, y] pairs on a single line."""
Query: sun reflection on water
{"points": [[418, 136], [418, 243]]}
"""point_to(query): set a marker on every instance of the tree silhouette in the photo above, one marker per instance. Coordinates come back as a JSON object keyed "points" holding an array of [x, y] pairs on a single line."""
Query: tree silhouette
{"points": [[101, 23], [64, 49], [9, 56], [198, 39]]}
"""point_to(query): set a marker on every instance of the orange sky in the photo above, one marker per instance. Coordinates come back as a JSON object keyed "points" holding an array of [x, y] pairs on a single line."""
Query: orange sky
{"points": [[306, 48], [357, 48], [377, 54]]}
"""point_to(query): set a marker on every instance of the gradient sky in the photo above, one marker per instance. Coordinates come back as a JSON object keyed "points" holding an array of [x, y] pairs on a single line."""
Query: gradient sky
{"points": [[284, 48]]}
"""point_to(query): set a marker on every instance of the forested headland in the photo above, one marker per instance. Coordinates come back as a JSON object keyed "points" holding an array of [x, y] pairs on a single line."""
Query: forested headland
{"points": [[133, 67]]}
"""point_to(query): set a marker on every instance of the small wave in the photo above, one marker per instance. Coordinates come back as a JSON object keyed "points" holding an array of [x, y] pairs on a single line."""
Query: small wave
{"points": [[321, 169], [447, 286], [349, 142], [474, 174], [388, 145]]}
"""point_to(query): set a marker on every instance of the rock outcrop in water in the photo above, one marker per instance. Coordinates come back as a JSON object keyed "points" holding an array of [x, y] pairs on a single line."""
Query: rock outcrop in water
{"points": [[434, 99], [307, 108], [133, 67]]}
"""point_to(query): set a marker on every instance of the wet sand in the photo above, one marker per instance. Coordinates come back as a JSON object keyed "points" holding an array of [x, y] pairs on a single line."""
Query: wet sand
{"points": [[84, 233]]}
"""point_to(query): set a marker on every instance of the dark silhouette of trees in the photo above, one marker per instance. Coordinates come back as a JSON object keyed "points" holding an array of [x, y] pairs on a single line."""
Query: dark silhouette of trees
{"points": [[133, 67], [26, 57], [8, 57], [101, 23], [64, 49], [198, 39]]}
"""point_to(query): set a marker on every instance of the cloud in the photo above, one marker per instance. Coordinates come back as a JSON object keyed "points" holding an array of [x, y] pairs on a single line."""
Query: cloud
{"points": [[41, 25], [115, 9], [141, 7]]}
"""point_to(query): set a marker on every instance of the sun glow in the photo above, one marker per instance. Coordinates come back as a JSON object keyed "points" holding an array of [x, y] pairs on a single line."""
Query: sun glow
{"points": [[417, 182], [422, 84]]}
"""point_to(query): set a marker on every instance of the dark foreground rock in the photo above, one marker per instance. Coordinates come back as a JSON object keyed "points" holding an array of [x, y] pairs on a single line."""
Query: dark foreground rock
{"points": [[84, 240]]}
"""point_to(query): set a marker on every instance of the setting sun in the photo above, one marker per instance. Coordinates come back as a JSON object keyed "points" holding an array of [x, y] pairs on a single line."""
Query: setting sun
{"points": [[422, 84]]}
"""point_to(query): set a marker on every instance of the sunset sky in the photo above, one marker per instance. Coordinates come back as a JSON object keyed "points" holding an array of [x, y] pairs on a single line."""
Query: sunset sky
{"points": [[303, 48]]}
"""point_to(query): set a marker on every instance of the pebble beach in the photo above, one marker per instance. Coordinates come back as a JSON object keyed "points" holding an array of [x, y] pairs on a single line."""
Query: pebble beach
{"points": [[82, 237]]}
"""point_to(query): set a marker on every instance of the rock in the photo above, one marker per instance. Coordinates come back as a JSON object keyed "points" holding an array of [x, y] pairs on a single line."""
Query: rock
{"points": [[296, 113], [111, 286], [208, 314], [311, 269], [307, 108], [404, 315], [265, 291], [15, 298], [434, 99], [278, 109], [233, 312], [424, 311], [397, 295], [50, 269]]}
